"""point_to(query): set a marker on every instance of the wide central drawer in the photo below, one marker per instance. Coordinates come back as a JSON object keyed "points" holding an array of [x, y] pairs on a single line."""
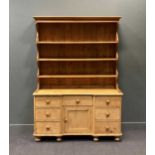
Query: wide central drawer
{"points": [[77, 100]]}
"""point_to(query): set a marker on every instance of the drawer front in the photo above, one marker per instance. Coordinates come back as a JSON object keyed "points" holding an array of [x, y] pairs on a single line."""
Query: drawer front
{"points": [[102, 127], [107, 114], [47, 127], [47, 101], [106, 101], [77, 100], [47, 114]]}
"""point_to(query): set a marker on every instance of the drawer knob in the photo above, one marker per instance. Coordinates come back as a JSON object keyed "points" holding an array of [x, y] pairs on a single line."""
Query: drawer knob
{"points": [[107, 102], [107, 129], [47, 102], [77, 101], [107, 115], [47, 128], [47, 114], [65, 120]]}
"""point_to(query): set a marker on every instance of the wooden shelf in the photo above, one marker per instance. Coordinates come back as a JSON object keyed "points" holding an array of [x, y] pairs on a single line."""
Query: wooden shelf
{"points": [[77, 76], [83, 91], [77, 18], [69, 56], [77, 42], [70, 21], [78, 59]]}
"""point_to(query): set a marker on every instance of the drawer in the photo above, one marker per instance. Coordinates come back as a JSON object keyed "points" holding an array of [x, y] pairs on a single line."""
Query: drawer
{"points": [[47, 127], [48, 101], [47, 114], [102, 127], [107, 114], [77, 100], [106, 101]]}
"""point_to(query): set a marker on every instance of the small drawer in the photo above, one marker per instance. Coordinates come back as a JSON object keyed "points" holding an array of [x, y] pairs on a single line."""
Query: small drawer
{"points": [[77, 100], [102, 127], [47, 127], [48, 101], [106, 101], [47, 114], [107, 114]]}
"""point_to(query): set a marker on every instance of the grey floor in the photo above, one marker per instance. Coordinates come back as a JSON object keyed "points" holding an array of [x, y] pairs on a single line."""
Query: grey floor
{"points": [[133, 143]]}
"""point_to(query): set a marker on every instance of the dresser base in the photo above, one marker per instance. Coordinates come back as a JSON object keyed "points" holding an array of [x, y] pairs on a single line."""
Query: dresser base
{"points": [[77, 112]]}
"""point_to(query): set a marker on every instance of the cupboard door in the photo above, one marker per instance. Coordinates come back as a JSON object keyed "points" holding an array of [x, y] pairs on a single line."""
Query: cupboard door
{"points": [[77, 119]]}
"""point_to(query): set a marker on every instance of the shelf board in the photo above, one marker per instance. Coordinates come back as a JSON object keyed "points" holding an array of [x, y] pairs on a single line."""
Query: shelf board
{"points": [[77, 18], [77, 42], [77, 76], [70, 21], [77, 59], [77, 91]]}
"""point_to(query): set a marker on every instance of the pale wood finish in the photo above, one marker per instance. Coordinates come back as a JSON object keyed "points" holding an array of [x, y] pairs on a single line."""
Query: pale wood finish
{"points": [[48, 128], [77, 119], [77, 77], [77, 100], [106, 101], [107, 114], [76, 113], [48, 114], [103, 93], [77, 42], [102, 127], [77, 18], [48, 101], [84, 59]]}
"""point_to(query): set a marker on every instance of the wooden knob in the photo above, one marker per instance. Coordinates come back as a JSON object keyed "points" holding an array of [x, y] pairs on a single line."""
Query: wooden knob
{"points": [[47, 102], [107, 114], [47, 114], [65, 120], [47, 128], [77, 101], [107, 129], [107, 102]]}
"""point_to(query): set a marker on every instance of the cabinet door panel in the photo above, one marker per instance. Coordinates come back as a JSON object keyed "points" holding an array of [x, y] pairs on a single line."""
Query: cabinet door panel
{"points": [[77, 120]]}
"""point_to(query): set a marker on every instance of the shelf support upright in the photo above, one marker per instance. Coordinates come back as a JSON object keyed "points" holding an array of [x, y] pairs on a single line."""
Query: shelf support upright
{"points": [[117, 39], [37, 39]]}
